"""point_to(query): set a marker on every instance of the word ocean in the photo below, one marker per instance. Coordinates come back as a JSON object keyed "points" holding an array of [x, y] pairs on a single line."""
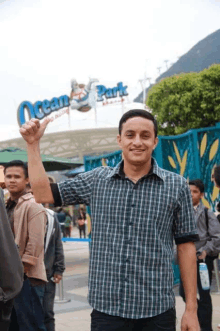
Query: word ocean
{"points": [[41, 108]]}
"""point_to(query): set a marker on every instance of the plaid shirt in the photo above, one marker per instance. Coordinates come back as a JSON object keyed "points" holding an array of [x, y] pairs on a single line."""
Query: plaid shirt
{"points": [[133, 226]]}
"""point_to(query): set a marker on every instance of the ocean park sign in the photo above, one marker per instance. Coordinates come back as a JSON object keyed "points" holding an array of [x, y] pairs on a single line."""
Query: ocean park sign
{"points": [[111, 92], [82, 98]]}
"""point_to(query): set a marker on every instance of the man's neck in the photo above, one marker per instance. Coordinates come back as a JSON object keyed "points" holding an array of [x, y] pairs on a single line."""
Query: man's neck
{"points": [[17, 195], [135, 172], [196, 205]]}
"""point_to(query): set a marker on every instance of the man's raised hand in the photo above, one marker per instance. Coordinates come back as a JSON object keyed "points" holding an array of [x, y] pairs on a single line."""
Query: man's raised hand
{"points": [[33, 130]]}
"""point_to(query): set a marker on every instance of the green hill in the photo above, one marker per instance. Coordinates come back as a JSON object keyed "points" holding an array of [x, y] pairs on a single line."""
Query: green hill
{"points": [[205, 53]]}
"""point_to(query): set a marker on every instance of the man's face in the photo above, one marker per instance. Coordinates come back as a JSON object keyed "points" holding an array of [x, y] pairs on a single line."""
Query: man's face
{"points": [[215, 183], [137, 140], [196, 194], [15, 180]]}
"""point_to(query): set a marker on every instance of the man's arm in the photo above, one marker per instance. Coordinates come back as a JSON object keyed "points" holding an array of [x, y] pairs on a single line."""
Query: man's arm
{"points": [[32, 131], [188, 271], [36, 234]]}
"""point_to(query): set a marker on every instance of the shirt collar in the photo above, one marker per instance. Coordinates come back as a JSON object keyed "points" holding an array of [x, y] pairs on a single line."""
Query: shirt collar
{"points": [[11, 203], [198, 207], [119, 172]]}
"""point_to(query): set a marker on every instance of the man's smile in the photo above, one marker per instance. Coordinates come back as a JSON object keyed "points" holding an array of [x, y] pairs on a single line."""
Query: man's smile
{"points": [[137, 150]]}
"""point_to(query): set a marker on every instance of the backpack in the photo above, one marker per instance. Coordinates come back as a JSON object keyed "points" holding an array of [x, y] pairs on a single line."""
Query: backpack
{"points": [[213, 257]]}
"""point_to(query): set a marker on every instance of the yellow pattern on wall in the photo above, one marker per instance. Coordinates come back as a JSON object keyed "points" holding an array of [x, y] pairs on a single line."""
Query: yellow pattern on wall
{"points": [[182, 162], [205, 203], [203, 145], [104, 164], [213, 149], [171, 160]]}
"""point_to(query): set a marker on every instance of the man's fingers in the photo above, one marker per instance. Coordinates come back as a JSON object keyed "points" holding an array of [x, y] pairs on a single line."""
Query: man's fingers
{"points": [[28, 128], [31, 128], [35, 121], [33, 125], [45, 122], [23, 132]]}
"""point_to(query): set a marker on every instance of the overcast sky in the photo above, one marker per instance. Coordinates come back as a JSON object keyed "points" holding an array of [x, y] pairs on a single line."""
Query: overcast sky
{"points": [[46, 43]]}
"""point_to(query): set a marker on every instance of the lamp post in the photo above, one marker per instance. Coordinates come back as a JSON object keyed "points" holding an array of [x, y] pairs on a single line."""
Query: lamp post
{"points": [[143, 82], [159, 70], [166, 61]]}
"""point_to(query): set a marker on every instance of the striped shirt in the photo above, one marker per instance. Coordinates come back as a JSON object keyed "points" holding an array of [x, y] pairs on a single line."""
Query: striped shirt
{"points": [[133, 227]]}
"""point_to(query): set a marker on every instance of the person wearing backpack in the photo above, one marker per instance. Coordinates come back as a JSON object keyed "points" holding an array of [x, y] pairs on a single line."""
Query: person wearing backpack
{"points": [[207, 249], [55, 266]]}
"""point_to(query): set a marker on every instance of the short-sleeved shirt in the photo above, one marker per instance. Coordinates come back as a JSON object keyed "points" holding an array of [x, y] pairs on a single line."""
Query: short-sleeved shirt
{"points": [[133, 227]]}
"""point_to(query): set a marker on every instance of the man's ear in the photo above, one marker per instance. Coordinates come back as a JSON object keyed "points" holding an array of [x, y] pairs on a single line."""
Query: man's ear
{"points": [[119, 140], [156, 142]]}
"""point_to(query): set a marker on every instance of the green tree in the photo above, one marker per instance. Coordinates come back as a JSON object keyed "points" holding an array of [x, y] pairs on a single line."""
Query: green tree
{"points": [[186, 101]]}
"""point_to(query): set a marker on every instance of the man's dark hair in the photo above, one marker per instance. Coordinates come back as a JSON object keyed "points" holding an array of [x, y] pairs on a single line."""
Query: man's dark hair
{"points": [[198, 183], [216, 175], [17, 163], [137, 113], [218, 207]]}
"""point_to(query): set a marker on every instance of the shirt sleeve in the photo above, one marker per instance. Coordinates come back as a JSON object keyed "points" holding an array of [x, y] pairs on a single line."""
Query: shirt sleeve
{"points": [[59, 262], [74, 191], [56, 194], [184, 226], [37, 220], [212, 246]]}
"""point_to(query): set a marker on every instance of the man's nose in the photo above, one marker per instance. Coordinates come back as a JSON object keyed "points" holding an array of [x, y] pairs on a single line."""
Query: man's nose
{"points": [[137, 140]]}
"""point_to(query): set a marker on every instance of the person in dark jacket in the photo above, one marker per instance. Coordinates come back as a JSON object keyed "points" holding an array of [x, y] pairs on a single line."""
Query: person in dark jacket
{"points": [[11, 268], [55, 266], [61, 217], [207, 249]]}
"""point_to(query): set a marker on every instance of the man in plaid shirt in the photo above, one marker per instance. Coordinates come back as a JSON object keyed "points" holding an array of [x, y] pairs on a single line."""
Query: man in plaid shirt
{"points": [[137, 210]]}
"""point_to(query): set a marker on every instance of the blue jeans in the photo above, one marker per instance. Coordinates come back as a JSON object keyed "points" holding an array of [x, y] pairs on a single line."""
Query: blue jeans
{"points": [[103, 322], [48, 304], [28, 314]]}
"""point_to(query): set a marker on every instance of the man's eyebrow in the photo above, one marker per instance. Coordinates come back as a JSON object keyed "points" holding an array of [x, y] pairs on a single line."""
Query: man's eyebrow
{"points": [[131, 131]]}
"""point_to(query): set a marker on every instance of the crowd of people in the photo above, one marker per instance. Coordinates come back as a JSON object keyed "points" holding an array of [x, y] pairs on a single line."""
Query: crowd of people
{"points": [[138, 210], [36, 232], [37, 237]]}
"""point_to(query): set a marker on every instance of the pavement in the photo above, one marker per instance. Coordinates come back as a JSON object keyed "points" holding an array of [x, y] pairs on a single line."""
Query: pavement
{"points": [[73, 312]]}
